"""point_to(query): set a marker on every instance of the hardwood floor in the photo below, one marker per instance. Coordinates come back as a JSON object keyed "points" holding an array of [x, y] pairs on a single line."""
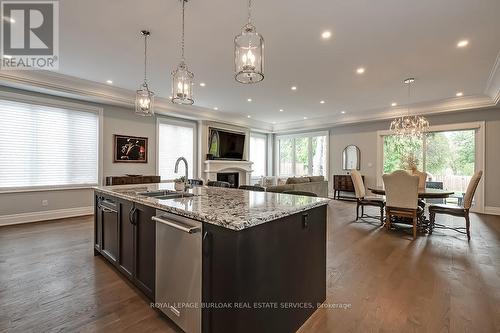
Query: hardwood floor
{"points": [[50, 280]]}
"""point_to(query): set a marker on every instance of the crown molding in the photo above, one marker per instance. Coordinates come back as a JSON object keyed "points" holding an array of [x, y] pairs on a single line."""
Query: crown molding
{"points": [[425, 108], [56, 84], [493, 84]]}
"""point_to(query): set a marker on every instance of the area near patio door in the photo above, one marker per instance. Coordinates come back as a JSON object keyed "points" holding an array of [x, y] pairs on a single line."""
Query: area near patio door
{"points": [[448, 157]]}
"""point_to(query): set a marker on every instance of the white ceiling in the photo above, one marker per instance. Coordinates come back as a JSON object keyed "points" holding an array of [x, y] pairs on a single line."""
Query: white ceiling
{"points": [[392, 39]]}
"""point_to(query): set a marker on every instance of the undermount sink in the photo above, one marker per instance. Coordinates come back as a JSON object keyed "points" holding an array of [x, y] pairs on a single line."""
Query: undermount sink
{"points": [[166, 194]]}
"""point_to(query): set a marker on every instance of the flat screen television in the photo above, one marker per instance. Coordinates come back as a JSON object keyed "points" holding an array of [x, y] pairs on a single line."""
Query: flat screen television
{"points": [[226, 145]]}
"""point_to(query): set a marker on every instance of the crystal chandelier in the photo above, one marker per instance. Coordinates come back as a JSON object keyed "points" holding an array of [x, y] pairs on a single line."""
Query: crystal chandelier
{"points": [[409, 125], [182, 78], [249, 53], [144, 98]]}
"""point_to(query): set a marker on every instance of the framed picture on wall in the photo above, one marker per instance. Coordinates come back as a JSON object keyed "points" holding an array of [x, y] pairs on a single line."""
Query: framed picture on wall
{"points": [[130, 149]]}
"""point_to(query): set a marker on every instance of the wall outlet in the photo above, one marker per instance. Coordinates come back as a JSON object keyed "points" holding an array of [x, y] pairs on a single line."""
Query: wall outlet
{"points": [[45, 203]]}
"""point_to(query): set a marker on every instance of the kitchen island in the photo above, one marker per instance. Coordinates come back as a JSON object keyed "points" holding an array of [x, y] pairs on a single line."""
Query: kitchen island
{"points": [[217, 259]]}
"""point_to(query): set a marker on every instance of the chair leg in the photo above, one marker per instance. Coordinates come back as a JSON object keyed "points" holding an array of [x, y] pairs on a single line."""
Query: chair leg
{"points": [[357, 210], [362, 210], [467, 225], [387, 219], [415, 227], [381, 215], [432, 220]]}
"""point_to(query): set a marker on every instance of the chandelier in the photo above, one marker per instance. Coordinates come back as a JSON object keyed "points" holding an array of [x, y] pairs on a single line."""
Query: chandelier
{"points": [[182, 78], [409, 125], [144, 98], [249, 53]]}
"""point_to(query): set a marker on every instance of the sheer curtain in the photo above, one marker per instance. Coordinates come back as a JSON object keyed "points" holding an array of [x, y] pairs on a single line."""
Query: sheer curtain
{"points": [[46, 146]]}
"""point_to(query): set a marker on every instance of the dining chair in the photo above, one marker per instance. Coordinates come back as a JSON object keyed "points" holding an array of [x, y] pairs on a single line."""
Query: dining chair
{"points": [[456, 210], [252, 188], [217, 183], [401, 195], [195, 182], [362, 200], [422, 178]]}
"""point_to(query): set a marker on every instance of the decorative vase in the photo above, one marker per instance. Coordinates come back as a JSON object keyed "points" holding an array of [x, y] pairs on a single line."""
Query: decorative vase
{"points": [[179, 186]]}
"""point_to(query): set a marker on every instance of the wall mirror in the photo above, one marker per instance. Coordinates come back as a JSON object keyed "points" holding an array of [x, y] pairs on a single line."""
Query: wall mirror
{"points": [[351, 158]]}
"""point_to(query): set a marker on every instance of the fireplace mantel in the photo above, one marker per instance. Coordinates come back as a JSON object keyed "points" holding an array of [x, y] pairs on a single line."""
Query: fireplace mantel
{"points": [[244, 168]]}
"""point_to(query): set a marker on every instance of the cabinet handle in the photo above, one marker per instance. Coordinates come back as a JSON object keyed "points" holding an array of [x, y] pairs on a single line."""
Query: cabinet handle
{"points": [[108, 210], [131, 215], [305, 220], [177, 225]]}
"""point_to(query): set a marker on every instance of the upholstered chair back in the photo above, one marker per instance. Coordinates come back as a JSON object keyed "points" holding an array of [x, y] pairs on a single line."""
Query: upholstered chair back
{"points": [[422, 178], [401, 190], [359, 187], [471, 189]]}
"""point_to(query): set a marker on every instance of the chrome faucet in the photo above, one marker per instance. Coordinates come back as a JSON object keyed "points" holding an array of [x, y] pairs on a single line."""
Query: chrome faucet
{"points": [[186, 183]]}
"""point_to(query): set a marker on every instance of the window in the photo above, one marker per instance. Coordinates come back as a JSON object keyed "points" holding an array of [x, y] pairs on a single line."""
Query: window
{"points": [[448, 157], [258, 154], [47, 146], [302, 155], [175, 139]]}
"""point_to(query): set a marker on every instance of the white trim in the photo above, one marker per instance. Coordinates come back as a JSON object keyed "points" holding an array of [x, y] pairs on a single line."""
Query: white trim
{"points": [[492, 210], [46, 188], [45, 215], [479, 158]]}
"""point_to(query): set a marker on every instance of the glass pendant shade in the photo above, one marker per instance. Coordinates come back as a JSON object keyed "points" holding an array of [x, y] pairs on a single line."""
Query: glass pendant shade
{"points": [[144, 101], [249, 56], [182, 85]]}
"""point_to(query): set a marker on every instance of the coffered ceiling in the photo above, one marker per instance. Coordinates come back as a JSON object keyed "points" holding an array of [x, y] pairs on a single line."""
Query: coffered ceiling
{"points": [[390, 39]]}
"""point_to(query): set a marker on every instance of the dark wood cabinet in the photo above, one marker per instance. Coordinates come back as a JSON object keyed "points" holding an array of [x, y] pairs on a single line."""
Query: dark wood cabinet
{"points": [[279, 262], [126, 180], [145, 249], [107, 235], [126, 236], [343, 184]]}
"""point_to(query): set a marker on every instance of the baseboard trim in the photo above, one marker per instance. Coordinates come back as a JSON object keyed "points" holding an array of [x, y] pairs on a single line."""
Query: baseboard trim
{"points": [[45, 215], [492, 210]]}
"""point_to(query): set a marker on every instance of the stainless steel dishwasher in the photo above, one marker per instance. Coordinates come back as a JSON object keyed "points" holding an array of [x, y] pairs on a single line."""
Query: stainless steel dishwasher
{"points": [[178, 269]]}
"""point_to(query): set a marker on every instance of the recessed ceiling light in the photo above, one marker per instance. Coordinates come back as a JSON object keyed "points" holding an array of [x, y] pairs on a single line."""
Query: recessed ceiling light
{"points": [[394, 104], [463, 43], [326, 34], [9, 19], [202, 84], [281, 110], [6, 56], [109, 81], [249, 116], [216, 108], [169, 97], [343, 112], [293, 88], [360, 70], [274, 123], [305, 118], [459, 94], [322, 102], [249, 100]]}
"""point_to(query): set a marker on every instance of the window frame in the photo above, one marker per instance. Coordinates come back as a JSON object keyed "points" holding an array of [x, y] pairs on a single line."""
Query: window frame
{"points": [[177, 122], [60, 104], [479, 162], [309, 135]]}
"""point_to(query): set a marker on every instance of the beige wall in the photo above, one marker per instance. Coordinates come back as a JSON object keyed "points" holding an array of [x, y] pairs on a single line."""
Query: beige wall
{"points": [[365, 137], [115, 121]]}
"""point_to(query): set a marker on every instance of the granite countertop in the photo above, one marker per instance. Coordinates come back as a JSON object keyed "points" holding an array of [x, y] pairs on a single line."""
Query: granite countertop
{"points": [[230, 208]]}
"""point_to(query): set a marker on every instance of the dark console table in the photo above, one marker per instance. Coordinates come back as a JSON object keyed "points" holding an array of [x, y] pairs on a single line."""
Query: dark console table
{"points": [[127, 180], [343, 183]]}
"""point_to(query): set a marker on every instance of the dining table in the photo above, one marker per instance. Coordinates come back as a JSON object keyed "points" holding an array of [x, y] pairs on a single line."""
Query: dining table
{"points": [[423, 193]]}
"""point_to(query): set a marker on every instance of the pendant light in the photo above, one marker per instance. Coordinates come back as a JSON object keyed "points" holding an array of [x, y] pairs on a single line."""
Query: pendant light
{"points": [[249, 53], [144, 98], [409, 125], [182, 78]]}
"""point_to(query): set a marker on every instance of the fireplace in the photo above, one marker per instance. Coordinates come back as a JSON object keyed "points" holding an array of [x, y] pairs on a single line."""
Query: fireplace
{"points": [[232, 178]]}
